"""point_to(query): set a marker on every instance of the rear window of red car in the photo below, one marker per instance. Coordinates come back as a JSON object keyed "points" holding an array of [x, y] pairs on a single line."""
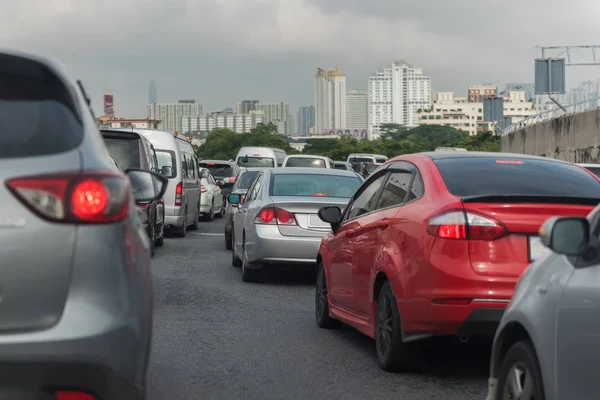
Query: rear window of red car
{"points": [[475, 176]]}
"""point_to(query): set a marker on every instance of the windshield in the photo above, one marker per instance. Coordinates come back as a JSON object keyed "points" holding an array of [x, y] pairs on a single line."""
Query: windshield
{"points": [[474, 176], [250, 162], [313, 185], [218, 170], [125, 152], [166, 158], [305, 162], [246, 179]]}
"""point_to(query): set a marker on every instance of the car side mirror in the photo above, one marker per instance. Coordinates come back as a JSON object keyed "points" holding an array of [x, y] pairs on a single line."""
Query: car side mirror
{"points": [[220, 183], [234, 198], [566, 235], [146, 186], [166, 171], [331, 215]]}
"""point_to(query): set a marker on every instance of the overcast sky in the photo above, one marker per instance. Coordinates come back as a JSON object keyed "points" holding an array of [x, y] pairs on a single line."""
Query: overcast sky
{"points": [[219, 52]]}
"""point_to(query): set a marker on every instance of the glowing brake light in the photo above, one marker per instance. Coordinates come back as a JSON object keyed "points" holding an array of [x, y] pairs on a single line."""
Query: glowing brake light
{"points": [[463, 225], [178, 193], [319, 195], [203, 189], [256, 155], [210, 163], [73, 396], [275, 216]]}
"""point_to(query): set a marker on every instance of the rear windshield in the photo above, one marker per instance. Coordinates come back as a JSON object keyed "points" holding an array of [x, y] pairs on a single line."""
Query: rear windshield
{"points": [[166, 158], [246, 179], [305, 162], [380, 160], [358, 160], [521, 177], [340, 166], [256, 162], [37, 111], [125, 152], [218, 170], [313, 185], [594, 170]]}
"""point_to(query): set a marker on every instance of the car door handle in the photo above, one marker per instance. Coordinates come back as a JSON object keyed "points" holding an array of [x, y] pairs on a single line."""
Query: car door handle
{"points": [[350, 233], [383, 224]]}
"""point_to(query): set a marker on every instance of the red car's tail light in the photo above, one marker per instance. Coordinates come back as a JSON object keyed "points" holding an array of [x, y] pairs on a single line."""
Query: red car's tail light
{"points": [[74, 198], [203, 189], [465, 225], [73, 396], [178, 193], [275, 216]]}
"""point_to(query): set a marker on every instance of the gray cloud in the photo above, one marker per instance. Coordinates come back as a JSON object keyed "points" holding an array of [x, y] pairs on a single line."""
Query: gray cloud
{"points": [[222, 51]]}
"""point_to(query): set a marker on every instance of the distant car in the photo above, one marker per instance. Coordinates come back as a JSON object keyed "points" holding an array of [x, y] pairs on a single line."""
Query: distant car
{"points": [[224, 173], [242, 183], [211, 205], [77, 300], [343, 165], [277, 222], [307, 161]]}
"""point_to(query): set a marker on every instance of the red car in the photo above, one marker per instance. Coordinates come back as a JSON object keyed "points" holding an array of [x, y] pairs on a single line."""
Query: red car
{"points": [[432, 244]]}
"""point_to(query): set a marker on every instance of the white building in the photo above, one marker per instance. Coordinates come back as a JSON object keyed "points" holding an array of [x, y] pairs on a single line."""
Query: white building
{"points": [[239, 123], [330, 100], [277, 113], [170, 115], [356, 109], [459, 113], [395, 94]]}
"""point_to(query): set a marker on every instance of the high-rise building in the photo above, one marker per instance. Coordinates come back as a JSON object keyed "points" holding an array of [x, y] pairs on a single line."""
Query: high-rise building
{"points": [[479, 92], [202, 124], [330, 100], [356, 109], [291, 125], [276, 113], [152, 94], [305, 119], [170, 115], [395, 94], [245, 106]]}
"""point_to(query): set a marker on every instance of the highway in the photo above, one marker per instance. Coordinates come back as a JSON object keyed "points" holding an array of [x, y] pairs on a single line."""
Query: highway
{"points": [[216, 337]]}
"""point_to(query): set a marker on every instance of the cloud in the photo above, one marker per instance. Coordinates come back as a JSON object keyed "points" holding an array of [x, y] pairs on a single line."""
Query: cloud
{"points": [[221, 51]]}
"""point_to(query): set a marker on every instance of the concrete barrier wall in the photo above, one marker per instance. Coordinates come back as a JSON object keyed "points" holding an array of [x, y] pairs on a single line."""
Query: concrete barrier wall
{"points": [[571, 138]]}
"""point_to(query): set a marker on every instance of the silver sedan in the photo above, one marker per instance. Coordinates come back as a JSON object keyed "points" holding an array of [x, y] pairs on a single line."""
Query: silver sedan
{"points": [[277, 223]]}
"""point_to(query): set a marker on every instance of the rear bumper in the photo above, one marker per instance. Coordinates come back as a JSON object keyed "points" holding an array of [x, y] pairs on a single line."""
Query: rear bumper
{"points": [[272, 247], [173, 221], [481, 322]]}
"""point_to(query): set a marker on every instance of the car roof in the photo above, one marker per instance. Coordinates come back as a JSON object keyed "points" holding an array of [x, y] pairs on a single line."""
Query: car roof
{"points": [[481, 154], [217, 161], [305, 156], [315, 171]]}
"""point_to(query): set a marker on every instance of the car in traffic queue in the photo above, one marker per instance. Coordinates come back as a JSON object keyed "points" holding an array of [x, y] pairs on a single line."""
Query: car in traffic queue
{"points": [[265, 157], [551, 324], [135, 151], [211, 201], [443, 239], [224, 173], [242, 183], [77, 297], [277, 223], [307, 161]]}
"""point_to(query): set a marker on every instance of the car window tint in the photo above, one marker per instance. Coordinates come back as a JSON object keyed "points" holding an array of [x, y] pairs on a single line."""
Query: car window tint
{"points": [[305, 162], [365, 201], [395, 189], [246, 179], [218, 170], [472, 176], [125, 152], [316, 185], [417, 190], [166, 158]]}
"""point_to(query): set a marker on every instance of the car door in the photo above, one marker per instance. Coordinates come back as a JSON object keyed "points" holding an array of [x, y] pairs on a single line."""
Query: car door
{"points": [[239, 218], [342, 247], [216, 191], [374, 230], [578, 325], [193, 187], [254, 203]]}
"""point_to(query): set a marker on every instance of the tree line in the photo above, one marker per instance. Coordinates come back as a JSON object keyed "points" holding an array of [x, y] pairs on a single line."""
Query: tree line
{"points": [[223, 144]]}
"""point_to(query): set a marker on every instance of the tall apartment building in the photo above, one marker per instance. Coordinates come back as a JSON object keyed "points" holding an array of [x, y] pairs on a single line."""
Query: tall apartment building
{"points": [[305, 119], [202, 124], [170, 115], [278, 113], [395, 94], [479, 92], [356, 109], [245, 106], [330, 100]]}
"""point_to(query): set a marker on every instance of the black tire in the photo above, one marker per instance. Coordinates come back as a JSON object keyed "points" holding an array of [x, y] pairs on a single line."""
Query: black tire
{"points": [[248, 275], [324, 320], [195, 225], [180, 232], [228, 241], [211, 213], [161, 236], [235, 260], [392, 354], [521, 356]]}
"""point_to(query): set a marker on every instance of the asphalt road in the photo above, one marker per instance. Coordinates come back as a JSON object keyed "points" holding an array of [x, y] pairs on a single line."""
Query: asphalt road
{"points": [[216, 337]]}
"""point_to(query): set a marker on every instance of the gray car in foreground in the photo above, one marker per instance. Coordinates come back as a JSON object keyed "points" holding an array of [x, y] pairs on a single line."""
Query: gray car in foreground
{"points": [[547, 346], [75, 287], [277, 223]]}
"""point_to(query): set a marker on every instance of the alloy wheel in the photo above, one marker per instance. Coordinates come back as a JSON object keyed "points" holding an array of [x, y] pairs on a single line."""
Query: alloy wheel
{"points": [[321, 293], [519, 383], [384, 326]]}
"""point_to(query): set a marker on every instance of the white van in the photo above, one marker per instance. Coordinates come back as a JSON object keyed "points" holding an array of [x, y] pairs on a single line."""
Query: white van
{"points": [[177, 161], [306, 161], [357, 158], [250, 157]]}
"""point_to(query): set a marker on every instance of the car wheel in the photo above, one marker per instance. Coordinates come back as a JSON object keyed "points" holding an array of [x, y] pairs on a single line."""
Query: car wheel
{"points": [[183, 229], [248, 275], [195, 226], [520, 376], [321, 303], [211, 213], [392, 354], [160, 241], [235, 260]]}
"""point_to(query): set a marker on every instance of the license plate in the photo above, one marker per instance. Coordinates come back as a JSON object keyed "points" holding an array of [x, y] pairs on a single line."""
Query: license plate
{"points": [[537, 249], [315, 222]]}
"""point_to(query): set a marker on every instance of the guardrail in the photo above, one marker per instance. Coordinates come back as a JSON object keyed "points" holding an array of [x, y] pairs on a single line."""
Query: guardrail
{"points": [[548, 115]]}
